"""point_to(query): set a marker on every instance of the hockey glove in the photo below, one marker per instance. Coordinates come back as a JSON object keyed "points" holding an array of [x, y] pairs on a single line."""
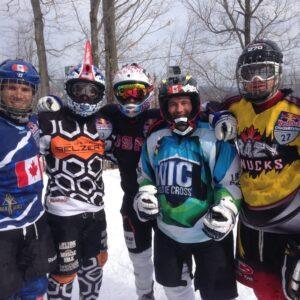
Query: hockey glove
{"points": [[225, 125], [49, 104], [220, 219], [291, 270], [146, 203]]}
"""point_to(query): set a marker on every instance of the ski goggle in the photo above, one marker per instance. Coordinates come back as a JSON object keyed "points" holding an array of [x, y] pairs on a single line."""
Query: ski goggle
{"points": [[86, 91], [136, 91], [264, 71]]}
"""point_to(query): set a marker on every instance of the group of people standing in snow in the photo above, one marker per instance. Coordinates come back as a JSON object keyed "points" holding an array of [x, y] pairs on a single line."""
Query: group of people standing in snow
{"points": [[188, 175]]}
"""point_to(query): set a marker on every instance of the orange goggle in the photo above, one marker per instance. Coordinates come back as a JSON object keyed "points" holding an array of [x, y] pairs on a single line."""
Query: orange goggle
{"points": [[136, 91]]}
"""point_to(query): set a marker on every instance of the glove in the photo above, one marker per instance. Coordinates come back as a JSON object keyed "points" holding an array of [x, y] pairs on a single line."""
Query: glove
{"points": [[225, 125], [291, 270], [49, 103], [146, 204], [220, 219], [102, 258]]}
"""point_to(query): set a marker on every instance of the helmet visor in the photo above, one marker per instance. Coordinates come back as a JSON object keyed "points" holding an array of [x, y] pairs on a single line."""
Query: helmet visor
{"points": [[86, 92], [137, 92], [262, 71]]}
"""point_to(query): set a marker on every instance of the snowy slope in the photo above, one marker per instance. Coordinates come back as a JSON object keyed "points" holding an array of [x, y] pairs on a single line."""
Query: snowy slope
{"points": [[118, 280]]}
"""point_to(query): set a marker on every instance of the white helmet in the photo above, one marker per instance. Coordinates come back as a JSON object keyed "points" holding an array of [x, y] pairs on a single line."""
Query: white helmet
{"points": [[133, 89]]}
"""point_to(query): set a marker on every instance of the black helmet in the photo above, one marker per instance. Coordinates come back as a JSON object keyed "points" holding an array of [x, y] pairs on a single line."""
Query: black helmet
{"points": [[261, 58], [179, 85]]}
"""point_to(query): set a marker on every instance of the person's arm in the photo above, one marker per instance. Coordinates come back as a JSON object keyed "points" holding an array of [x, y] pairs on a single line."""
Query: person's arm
{"points": [[221, 217], [145, 202]]}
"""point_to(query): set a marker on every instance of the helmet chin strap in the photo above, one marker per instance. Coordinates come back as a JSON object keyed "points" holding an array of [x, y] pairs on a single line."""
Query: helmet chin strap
{"points": [[181, 126]]}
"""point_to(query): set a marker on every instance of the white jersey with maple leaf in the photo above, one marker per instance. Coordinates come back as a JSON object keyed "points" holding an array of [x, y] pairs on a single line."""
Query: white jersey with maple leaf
{"points": [[21, 182]]}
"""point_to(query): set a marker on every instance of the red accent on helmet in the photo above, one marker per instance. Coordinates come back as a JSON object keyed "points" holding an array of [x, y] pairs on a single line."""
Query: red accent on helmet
{"points": [[87, 64]]}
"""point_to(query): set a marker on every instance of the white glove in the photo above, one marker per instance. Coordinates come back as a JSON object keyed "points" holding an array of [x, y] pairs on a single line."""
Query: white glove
{"points": [[220, 219], [48, 103], [146, 204], [225, 125]]}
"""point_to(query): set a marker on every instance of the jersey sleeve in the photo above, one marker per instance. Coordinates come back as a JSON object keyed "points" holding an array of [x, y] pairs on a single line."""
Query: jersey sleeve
{"points": [[226, 172], [145, 172]]}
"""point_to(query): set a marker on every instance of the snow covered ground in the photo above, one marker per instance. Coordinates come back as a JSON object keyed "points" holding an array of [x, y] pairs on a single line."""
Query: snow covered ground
{"points": [[118, 280]]}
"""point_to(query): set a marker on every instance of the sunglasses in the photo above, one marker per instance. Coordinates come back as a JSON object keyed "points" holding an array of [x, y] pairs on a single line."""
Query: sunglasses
{"points": [[136, 91]]}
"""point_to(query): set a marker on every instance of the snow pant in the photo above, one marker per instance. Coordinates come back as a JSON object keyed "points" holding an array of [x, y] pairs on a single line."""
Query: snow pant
{"points": [[263, 262], [80, 241], [26, 256], [214, 271], [138, 238]]}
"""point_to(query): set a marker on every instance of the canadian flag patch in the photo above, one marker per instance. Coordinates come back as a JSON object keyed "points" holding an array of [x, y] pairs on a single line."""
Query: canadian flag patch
{"points": [[29, 171]]}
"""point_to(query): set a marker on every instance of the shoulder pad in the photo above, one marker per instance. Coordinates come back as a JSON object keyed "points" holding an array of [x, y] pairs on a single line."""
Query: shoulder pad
{"points": [[294, 100], [230, 100], [109, 109], [160, 124]]}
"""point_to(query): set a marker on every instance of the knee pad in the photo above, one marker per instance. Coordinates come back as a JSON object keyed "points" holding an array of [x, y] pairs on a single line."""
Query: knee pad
{"points": [[34, 289], [63, 279], [267, 286], [142, 258]]}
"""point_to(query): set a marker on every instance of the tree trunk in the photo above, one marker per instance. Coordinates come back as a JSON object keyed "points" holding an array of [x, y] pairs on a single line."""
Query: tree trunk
{"points": [[111, 66], [94, 5], [247, 19], [40, 44]]}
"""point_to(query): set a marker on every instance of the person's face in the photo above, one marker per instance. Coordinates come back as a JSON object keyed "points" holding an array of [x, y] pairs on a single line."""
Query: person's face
{"points": [[257, 86], [179, 106], [17, 95]]}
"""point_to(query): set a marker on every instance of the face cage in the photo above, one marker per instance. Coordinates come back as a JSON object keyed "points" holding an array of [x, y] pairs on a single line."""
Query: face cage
{"points": [[257, 94], [20, 115]]}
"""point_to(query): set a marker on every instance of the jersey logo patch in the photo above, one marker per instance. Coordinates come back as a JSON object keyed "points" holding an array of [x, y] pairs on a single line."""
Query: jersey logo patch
{"points": [[286, 128], [28, 171], [82, 147]]}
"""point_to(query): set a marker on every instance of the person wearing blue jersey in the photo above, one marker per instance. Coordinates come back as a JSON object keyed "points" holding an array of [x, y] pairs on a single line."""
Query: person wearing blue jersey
{"points": [[188, 182], [27, 252]]}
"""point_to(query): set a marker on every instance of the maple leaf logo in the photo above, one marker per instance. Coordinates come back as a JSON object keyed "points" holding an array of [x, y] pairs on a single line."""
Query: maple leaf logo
{"points": [[250, 134], [33, 169]]}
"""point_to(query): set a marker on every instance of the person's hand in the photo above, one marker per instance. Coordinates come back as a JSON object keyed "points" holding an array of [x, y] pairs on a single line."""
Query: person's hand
{"points": [[49, 104], [225, 125], [291, 270], [146, 203], [220, 219]]}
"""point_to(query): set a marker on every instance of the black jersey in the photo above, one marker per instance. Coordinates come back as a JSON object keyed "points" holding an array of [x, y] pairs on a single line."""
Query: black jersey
{"points": [[130, 134], [73, 153]]}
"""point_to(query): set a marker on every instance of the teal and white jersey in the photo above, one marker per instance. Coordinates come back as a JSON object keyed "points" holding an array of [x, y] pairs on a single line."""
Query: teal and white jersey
{"points": [[191, 173]]}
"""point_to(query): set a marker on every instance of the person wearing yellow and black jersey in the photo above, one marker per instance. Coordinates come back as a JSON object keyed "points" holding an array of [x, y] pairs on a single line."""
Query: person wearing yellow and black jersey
{"points": [[266, 121]]}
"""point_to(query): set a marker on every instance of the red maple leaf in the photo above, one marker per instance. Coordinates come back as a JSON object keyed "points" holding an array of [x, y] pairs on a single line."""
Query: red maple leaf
{"points": [[250, 134], [33, 169]]}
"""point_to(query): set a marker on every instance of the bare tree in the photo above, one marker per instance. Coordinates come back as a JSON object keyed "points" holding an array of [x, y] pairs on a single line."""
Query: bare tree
{"points": [[111, 65], [40, 44], [224, 27]]}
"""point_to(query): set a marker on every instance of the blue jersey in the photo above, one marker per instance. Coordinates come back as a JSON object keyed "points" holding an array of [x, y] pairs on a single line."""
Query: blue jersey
{"points": [[21, 182], [191, 173]]}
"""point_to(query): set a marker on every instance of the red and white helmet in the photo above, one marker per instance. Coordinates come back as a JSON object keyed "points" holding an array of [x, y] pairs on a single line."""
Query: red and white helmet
{"points": [[133, 89], [85, 86]]}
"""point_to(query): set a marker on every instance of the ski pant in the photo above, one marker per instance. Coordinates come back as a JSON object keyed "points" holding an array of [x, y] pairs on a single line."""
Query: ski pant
{"points": [[138, 238], [263, 262], [81, 243], [214, 271]]}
